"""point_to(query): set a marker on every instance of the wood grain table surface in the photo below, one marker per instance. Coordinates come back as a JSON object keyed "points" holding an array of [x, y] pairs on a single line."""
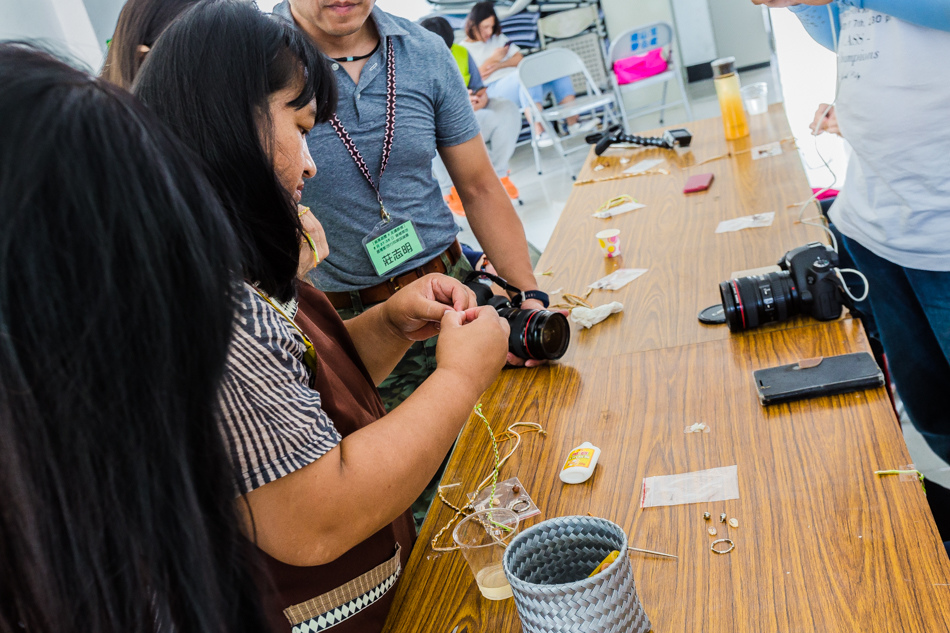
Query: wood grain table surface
{"points": [[822, 544], [674, 236]]}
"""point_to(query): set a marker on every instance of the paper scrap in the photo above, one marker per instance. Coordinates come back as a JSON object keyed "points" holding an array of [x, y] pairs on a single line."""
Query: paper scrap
{"points": [[644, 166], [617, 279], [746, 222], [589, 317], [769, 149], [623, 208], [714, 484]]}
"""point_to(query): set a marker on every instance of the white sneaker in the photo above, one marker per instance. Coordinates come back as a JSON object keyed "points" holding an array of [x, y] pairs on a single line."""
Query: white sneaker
{"points": [[544, 140], [581, 127]]}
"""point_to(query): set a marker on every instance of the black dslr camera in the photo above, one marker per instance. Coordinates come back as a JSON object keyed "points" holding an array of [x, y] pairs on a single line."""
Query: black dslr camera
{"points": [[807, 284], [535, 334]]}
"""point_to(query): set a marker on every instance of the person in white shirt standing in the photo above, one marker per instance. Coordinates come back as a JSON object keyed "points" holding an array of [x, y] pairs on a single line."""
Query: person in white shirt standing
{"points": [[894, 210]]}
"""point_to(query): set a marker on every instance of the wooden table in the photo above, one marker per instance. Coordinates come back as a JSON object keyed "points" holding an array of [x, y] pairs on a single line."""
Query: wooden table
{"points": [[822, 545], [674, 236]]}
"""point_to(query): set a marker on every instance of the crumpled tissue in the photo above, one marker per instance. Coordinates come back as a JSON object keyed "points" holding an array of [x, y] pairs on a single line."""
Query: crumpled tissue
{"points": [[589, 317]]}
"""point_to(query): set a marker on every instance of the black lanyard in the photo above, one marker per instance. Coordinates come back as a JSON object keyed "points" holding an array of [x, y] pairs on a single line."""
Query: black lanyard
{"points": [[387, 139]]}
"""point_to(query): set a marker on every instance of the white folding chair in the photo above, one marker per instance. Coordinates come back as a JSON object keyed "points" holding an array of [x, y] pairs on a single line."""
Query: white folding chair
{"points": [[548, 65], [640, 41]]}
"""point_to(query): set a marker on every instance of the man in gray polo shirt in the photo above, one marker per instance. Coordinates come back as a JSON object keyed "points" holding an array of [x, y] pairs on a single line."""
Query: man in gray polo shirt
{"points": [[432, 112]]}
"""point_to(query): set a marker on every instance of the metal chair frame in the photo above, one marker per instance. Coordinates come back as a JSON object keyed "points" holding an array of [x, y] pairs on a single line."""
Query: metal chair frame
{"points": [[639, 41], [551, 64]]}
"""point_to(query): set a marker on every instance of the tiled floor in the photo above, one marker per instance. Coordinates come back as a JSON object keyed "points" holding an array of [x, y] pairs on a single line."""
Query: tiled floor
{"points": [[804, 76]]}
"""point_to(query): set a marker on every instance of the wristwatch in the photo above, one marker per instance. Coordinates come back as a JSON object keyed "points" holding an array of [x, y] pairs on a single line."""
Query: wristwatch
{"points": [[537, 295]]}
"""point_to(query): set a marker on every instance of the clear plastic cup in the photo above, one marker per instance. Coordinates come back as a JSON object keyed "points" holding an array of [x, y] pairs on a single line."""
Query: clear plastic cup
{"points": [[482, 537], [756, 98]]}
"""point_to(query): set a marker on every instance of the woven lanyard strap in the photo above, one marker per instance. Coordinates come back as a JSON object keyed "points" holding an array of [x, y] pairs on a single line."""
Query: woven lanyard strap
{"points": [[387, 139], [310, 355]]}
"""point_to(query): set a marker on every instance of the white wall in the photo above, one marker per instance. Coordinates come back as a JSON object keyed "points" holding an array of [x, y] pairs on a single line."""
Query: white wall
{"points": [[103, 14], [694, 27], [409, 9], [61, 25], [739, 29]]}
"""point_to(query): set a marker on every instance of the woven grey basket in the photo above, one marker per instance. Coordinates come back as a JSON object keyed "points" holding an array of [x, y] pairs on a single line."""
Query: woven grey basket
{"points": [[548, 567]]}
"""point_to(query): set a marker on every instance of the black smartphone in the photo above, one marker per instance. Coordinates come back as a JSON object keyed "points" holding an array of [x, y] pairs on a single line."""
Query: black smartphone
{"points": [[817, 377]]}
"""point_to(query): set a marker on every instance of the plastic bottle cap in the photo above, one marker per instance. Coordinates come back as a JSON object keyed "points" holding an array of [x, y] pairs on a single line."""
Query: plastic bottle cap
{"points": [[724, 66]]}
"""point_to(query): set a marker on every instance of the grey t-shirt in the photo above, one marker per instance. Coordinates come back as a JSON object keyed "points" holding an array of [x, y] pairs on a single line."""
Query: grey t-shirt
{"points": [[432, 110]]}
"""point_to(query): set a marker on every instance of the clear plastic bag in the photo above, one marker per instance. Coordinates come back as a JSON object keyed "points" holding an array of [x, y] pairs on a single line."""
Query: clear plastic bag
{"points": [[506, 497], [714, 484], [617, 279]]}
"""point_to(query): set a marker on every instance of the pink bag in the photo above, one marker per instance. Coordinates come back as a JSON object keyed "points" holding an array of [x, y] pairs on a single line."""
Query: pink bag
{"points": [[637, 67]]}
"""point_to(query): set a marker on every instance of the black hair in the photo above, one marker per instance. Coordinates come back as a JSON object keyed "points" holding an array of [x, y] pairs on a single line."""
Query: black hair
{"points": [[117, 296], [210, 78], [441, 27], [140, 23], [479, 13]]}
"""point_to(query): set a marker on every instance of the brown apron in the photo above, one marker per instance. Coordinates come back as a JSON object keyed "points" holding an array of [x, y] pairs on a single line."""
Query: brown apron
{"points": [[354, 592]]}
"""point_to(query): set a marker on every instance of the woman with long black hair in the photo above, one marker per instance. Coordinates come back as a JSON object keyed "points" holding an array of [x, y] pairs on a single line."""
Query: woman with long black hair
{"points": [[117, 281], [140, 24], [326, 475]]}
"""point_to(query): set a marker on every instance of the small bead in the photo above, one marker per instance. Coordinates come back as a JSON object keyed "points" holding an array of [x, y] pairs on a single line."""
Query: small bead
{"points": [[706, 516], [722, 517], [734, 522], [712, 531], [516, 490]]}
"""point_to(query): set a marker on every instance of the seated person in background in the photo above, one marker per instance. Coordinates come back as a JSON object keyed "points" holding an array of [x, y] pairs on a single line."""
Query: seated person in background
{"points": [[499, 119], [326, 476], [117, 295], [497, 61], [140, 23]]}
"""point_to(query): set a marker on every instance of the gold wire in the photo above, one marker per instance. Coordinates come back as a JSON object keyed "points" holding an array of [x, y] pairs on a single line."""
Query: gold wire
{"points": [[469, 508]]}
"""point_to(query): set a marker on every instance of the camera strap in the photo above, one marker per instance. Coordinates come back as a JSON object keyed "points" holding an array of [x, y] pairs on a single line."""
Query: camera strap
{"points": [[475, 275]]}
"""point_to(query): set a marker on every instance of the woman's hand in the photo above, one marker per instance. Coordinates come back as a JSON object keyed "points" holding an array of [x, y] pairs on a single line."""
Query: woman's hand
{"points": [[486, 69], [497, 55], [314, 229], [472, 346], [415, 312]]}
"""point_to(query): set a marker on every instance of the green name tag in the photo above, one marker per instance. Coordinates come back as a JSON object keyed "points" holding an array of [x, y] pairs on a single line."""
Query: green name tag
{"points": [[393, 248]]}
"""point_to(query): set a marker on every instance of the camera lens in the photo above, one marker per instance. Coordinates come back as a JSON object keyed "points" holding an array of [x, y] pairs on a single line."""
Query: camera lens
{"points": [[753, 301], [537, 334]]}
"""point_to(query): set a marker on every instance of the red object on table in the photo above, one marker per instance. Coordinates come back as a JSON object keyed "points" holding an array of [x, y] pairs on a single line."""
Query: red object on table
{"points": [[699, 182]]}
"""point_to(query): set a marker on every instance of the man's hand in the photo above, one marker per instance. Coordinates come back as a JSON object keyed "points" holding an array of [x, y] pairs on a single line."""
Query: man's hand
{"points": [[825, 122], [515, 361], [479, 99], [415, 312]]}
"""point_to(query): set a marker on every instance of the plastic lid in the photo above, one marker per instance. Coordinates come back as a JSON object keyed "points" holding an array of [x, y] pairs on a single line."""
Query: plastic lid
{"points": [[724, 66]]}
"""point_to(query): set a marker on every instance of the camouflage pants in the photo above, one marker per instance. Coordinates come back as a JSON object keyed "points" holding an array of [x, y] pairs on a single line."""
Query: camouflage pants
{"points": [[417, 365]]}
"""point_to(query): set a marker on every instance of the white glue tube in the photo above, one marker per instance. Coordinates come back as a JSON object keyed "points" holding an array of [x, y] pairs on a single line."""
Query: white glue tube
{"points": [[580, 464]]}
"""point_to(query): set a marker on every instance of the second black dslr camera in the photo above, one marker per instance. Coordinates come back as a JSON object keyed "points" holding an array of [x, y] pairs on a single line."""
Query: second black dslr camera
{"points": [[807, 284], [535, 334]]}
